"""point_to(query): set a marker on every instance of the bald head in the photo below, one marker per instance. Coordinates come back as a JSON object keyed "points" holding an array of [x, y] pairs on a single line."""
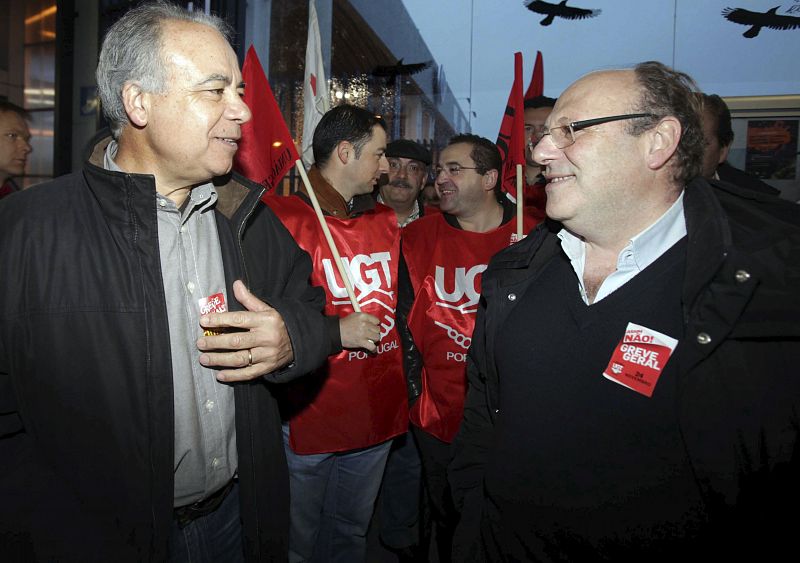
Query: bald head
{"points": [[611, 177], [610, 92]]}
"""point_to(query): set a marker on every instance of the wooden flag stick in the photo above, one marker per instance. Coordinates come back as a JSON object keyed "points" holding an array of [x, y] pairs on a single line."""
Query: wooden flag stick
{"points": [[520, 202], [348, 284]]}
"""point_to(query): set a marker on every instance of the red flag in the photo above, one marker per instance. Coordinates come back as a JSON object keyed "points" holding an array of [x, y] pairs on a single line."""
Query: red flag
{"points": [[511, 139], [266, 150], [536, 87]]}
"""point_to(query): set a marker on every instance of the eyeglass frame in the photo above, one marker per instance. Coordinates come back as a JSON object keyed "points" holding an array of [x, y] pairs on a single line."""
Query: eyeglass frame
{"points": [[583, 124], [439, 169]]}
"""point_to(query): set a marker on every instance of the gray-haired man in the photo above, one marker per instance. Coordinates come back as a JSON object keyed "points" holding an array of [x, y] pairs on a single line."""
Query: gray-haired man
{"points": [[135, 363]]}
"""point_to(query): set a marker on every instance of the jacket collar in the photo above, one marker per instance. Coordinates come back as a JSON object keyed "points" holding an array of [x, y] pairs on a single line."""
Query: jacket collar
{"points": [[237, 196], [708, 237], [528, 252], [330, 200]]}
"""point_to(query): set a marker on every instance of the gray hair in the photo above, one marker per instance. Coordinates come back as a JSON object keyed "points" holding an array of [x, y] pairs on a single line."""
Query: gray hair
{"points": [[131, 52], [665, 91]]}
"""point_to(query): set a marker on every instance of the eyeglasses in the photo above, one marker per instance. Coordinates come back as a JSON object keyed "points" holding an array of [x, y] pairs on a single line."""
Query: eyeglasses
{"points": [[452, 169], [564, 135]]}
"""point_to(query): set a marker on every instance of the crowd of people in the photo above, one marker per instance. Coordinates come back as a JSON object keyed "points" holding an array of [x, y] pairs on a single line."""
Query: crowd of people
{"points": [[193, 371]]}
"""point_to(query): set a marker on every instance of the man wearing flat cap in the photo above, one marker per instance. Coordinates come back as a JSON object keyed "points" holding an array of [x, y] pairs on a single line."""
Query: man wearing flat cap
{"points": [[402, 479], [408, 169]]}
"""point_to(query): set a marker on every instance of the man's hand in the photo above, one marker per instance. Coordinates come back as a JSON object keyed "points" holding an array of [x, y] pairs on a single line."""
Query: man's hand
{"points": [[261, 346], [360, 330]]}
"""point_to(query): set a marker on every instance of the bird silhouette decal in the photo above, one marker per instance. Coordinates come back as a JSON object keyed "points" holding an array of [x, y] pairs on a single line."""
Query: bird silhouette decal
{"points": [[390, 72], [560, 10], [757, 20]]}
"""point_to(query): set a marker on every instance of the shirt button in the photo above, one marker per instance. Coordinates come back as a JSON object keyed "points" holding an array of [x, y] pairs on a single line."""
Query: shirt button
{"points": [[703, 338], [742, 276], [209, 405], [215, 462], [162, 203], [512, 296], [183, 229], [190, 287]]}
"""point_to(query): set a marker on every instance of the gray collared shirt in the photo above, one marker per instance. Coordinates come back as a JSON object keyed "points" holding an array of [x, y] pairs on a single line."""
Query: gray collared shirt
{"points": [[192, 269]]}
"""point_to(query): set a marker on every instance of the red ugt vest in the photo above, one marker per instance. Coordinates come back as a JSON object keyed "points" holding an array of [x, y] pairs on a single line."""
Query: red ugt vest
{"points": [[356, 399], [445, 266]]}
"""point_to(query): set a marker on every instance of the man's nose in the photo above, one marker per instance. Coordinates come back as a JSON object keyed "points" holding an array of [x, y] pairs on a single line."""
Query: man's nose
{"points": [[383, 165], [545, 150], [238, 111]]}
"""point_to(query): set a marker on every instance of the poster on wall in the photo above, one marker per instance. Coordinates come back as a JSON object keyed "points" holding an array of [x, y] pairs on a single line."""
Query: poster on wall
{"points": [[772, 149]]}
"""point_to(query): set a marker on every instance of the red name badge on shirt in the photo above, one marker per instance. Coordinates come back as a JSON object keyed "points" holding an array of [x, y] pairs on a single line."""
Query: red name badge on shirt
{"points": [[212, 304], [639, 359]]}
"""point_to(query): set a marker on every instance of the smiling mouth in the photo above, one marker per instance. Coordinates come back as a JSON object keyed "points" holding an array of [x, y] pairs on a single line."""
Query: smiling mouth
{"points": [[229, 141], [555, 179]]}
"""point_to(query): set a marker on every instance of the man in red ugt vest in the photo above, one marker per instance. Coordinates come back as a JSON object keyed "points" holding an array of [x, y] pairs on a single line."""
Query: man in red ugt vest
{"points": [[339, 421], [445, 255]]}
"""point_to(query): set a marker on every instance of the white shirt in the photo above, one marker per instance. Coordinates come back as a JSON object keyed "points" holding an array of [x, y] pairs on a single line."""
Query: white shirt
{"points": [[641, 251]]}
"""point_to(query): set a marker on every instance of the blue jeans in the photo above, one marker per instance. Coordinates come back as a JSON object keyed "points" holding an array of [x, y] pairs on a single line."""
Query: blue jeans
{"points": [[332, 497], [216, 537]]}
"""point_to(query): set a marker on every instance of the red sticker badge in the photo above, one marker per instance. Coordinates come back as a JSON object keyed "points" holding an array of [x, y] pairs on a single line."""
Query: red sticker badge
{"points": [[639, 359], [212, 304]]}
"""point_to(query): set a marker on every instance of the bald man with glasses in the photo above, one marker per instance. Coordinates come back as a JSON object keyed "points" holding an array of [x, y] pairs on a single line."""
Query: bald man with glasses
{"points": [[632, 372]]}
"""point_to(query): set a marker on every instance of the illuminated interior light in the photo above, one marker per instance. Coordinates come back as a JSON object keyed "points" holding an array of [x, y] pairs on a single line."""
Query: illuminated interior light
{"points": [[49, 11]]}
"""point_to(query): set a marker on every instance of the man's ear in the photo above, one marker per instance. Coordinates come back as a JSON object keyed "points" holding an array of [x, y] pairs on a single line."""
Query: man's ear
{"points": [[489, 180], [345, 152], [723, 153], [663, 142], [136, 103]]}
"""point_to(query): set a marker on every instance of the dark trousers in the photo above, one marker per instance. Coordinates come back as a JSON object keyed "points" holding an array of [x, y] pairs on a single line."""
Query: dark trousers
{"points": [[401, 494], [216, 537], [436, 456]]}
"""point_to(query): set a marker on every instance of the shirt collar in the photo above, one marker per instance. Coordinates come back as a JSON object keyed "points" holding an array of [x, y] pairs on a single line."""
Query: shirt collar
{"points": [[201, 197], [641, 250], [413, 216]]}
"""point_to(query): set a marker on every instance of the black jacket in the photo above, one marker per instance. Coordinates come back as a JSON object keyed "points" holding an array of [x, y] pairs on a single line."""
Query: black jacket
{"points": [[739, 394], [86, 404], [732, 175]]}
